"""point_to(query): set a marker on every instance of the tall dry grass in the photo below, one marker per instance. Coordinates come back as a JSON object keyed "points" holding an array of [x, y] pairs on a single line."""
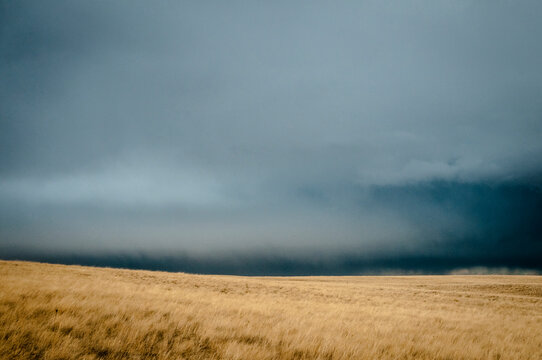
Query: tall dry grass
{"points": [[72, 312]]}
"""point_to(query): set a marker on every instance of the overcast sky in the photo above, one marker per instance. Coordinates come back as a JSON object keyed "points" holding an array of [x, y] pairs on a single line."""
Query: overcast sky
{"points": [[287, 129]]}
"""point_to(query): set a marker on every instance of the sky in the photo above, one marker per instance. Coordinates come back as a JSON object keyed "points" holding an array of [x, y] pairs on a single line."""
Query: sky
{"points": [[272, 137]]}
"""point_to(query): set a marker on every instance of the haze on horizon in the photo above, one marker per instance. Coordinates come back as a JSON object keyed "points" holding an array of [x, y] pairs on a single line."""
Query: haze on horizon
{"points": [[267, 137]]}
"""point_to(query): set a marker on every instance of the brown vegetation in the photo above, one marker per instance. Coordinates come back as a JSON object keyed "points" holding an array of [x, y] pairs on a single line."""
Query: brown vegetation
{"points": [[72, 312]]}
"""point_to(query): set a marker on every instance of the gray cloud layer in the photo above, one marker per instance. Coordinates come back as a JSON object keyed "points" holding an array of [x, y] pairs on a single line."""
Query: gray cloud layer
{"points": [[304, 127]]}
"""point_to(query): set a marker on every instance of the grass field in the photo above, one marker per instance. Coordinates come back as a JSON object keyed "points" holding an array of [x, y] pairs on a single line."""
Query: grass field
{"points": [[72, 312]]}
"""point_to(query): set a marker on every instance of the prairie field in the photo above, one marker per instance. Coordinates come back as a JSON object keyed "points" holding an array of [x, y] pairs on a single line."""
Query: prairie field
{"points": [[74, 312]]}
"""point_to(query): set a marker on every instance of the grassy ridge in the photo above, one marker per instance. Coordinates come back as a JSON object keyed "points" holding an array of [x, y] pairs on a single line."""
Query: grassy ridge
{"points": [[71, 312]]}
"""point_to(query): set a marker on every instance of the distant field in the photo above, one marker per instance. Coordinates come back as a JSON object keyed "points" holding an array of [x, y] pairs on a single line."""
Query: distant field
{"points": [[72, 312]]}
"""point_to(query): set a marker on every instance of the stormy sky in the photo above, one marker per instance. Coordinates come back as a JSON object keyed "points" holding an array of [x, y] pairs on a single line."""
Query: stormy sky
{"points": [[272, 137]]}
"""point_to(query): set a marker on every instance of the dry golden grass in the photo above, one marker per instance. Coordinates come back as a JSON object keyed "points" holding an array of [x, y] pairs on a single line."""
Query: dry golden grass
{"points": [[72, 312]]}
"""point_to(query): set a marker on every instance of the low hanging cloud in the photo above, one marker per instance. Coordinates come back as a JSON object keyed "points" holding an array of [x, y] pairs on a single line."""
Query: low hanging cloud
{"points": [[124, 184], [314, 131]]}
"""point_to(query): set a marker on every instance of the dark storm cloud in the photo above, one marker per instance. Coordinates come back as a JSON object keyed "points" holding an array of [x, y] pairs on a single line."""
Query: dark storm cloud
{"points": [[381, 131]]}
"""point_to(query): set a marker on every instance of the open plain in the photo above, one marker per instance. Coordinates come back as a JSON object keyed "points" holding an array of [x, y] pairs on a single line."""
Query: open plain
{"points": [[73, 312]]}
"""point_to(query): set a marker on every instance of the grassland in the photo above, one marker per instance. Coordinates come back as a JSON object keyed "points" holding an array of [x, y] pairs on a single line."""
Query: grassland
{"points": [[72, 312]]}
